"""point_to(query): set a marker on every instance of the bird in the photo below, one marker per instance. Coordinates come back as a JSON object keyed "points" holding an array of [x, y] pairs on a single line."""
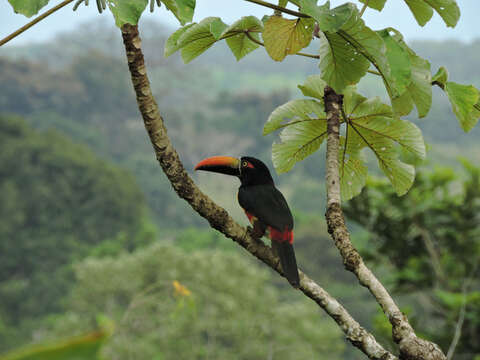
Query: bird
{"points": [[265, 206]]}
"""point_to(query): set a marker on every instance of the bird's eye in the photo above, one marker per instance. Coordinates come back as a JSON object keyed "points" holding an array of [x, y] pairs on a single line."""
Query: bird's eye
{"points": [[244, 164]]}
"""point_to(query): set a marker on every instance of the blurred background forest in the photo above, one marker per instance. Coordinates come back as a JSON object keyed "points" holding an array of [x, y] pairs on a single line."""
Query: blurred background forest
{"points": [[90, 227]]}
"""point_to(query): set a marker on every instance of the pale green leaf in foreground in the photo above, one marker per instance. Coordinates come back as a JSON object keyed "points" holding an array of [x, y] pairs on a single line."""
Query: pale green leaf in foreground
{"points": [[182, 9], [420, 10], [294, 111], [314, 87], [284, 37], [352, 169], [463, 99], [127, 12], [27, 7]]}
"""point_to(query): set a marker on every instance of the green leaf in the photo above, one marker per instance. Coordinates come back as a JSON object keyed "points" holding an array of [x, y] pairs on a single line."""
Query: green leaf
{"points": [[239, 43], [441, 77], [419, 89], [423, 10], [283, 36], [352, 170], [217, 28], [295, 111], [76, 348], [463, 99], [420, 10], [172, 45], [340, 63], [198, 38], [182, 9], [27, 7], [298, 141], [375, 4], [398, 60], [127, 12], [372, 124], [328, 20], [314, 86]]}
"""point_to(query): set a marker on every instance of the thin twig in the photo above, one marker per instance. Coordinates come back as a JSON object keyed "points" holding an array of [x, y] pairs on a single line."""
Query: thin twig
{"points": [[458, 328], [279, 8], [374, 72], [34, 21], [364, 8]]}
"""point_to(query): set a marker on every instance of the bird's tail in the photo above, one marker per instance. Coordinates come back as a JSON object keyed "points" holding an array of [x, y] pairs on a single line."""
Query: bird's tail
{"points": [[285, 252]]}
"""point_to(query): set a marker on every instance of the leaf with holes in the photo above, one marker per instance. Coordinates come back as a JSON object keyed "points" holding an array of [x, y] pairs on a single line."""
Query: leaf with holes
{"points": [[237, 39], [27, 8], [284, 37], [182, 9], [298, 140], [198, 38], [423, 10], [294, 111], [340, 63], [464, 100], [127, 12]]}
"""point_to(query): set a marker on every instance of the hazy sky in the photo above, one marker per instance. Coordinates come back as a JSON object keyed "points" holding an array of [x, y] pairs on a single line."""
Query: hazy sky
{"points": [[395, 14]]}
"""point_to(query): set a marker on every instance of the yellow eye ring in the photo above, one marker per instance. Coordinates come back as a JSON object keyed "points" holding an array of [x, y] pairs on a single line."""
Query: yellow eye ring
{"points": [[244, 164]]}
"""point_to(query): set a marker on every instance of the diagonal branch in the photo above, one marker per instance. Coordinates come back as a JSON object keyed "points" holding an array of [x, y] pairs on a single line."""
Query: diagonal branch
{"points": [[411, 347], [217, 216]]}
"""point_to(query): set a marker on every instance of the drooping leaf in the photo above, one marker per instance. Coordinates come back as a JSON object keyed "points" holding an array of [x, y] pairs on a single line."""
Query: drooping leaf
{"points": [[340, 63], [328, 20], [352, 169], [373, 124], [420, 10], [284, 37], [298, 141], [127, 12], [198, 38], [423, 10], [27, 7], [375, 4], [294, 111], [314, 87], [172, 45], [182, 9], [76, 348], [236, 38], [463, 99], [398, 61]]}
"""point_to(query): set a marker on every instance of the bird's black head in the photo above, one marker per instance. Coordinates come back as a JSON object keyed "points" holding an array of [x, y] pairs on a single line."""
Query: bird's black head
{"points": [[254, 172], [250, 170]]}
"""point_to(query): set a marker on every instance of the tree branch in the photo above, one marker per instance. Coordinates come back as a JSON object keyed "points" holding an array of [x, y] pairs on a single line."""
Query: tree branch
{"points": [[34, 21], [217, 216], [279, 8], [411, 347]]}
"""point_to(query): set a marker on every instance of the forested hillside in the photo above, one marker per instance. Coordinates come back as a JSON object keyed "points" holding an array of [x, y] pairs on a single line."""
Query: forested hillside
{"points": [[105, 195]]}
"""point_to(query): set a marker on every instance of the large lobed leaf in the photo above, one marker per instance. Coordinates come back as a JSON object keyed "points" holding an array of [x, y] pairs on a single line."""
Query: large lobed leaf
{"points": [[182, 9], [465, 100], [240, 44], [369, 124], [284, 37]]}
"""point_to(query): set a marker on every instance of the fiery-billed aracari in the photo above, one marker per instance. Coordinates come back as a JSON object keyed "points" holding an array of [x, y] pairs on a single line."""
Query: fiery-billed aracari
{"points": [[265, 206]]}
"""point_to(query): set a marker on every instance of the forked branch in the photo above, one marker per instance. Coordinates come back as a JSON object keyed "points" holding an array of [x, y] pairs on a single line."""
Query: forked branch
{"points": [[217, 216], [411, 347]]}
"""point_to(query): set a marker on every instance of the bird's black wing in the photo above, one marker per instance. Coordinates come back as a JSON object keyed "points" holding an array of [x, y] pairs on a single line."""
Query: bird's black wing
{"points": [[267, 204]]}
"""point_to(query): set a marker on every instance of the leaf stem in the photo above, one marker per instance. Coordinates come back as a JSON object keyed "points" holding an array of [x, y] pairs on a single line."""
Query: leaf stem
{"points": [[364, 8], [279, 8], [34, 21], [374, 72]]}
